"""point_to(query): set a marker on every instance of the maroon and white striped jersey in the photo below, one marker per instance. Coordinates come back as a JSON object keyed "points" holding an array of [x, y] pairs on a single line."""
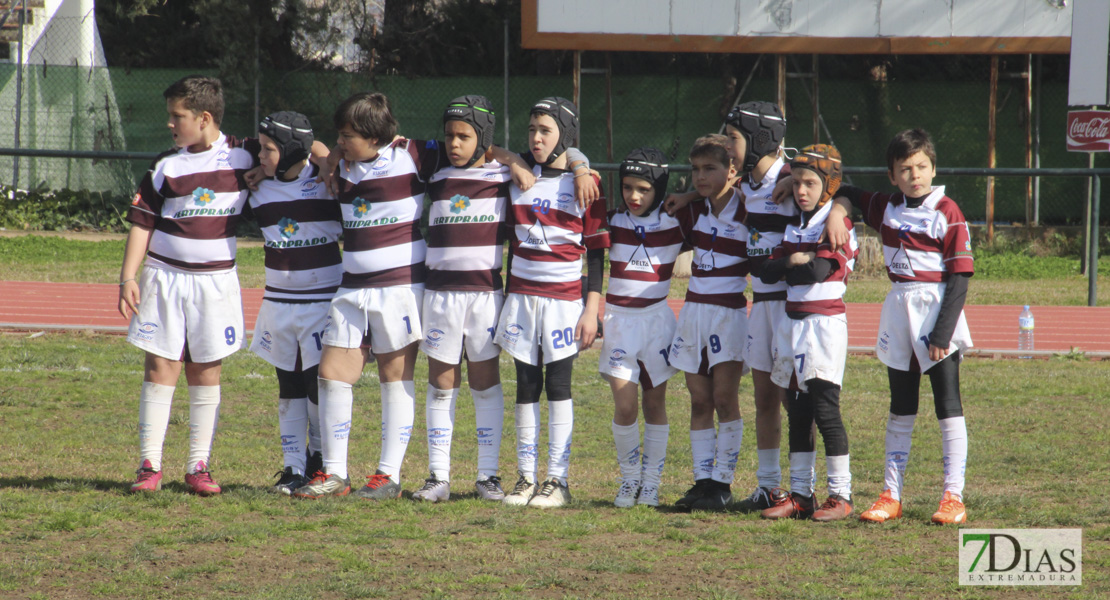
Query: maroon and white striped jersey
{"points": [[766, 223], [719, 272], [193, 202], [642, 255], [825, 297], [466, 228], [920, 244], [550, 235], [300, 225], [382, 201]]}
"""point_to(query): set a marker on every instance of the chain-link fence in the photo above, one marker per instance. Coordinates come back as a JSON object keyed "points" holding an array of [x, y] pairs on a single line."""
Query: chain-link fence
{"points": [[861, 103]]}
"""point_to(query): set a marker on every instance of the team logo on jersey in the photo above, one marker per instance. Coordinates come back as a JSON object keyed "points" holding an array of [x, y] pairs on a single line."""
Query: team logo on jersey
{"points": [[564, 198], [360, 206], [309, 188], [754, 235], [900, 263], [222, 159], [492, 175], [730, 231], [459, 203], [770, 207], [967, 245], [146, 331], [381, 166], [138, 198], [266, 341], [536, 238], [288, 227], [640, 261], [203, 196]]}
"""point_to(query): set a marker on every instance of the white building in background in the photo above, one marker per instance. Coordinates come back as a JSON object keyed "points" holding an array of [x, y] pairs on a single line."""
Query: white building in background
{"points": [[68, 102]]}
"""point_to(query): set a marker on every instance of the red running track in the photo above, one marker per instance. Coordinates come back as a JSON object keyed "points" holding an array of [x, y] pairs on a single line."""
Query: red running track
{"points": [[34, 306]]}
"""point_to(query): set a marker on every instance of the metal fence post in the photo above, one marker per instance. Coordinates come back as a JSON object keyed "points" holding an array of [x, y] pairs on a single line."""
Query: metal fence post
{"points": [[1092, 269], [19, 93], [505, 102]]}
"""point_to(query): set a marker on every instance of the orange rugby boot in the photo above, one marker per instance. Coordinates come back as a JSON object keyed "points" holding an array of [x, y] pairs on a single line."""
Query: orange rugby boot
{"points": [[884, 509], [951, 511]]}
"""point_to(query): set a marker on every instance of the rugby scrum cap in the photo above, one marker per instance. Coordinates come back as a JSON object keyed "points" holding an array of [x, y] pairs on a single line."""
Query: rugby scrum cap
{"points": [[763, 126], [650, 165], [824, 160], [566, 116], [293, 134], [477, 112]]}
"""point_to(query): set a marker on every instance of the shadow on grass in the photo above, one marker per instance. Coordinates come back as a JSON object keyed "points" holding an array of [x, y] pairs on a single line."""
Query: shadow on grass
{"points": [[72, 484]]}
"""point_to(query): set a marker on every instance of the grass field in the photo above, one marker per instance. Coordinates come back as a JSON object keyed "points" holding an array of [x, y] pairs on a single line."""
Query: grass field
{"points": [[68, 408]]}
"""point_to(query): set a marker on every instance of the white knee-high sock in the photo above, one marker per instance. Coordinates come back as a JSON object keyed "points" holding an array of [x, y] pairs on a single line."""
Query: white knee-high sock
{"points": [[439, 411], [489, 419], [313, 411], [729, 437], [292, 420], [336, 407], [204, 413], [703, 443], [154, 417], [899, 437], [527, 434], [655, 453], [769, 473], [560, 434], [398, 414], [839, 475], [802, 465], [953, 433], [627, 440]]}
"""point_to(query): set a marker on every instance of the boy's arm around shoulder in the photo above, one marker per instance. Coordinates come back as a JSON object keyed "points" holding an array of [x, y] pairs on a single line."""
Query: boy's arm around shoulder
{"points": [[518, 169]]}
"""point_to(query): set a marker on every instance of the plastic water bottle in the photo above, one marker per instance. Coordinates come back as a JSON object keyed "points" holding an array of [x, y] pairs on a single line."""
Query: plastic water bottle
{"points": [[1025, 330]]}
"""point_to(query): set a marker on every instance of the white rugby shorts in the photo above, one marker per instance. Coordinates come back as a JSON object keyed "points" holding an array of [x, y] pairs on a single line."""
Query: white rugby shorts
{"points": [[203, 310], [811, 348], [763, 322], [456, 321], [635, 337], [388, 316], [531, 324], [718, 331], [285, 328], [909, 314]]}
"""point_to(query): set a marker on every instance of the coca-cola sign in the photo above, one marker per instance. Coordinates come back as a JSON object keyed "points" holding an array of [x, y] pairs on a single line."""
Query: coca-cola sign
{"points": [[1089, 130]]}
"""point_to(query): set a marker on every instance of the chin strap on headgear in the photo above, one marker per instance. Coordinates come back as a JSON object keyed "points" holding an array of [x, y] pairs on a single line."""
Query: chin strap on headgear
{"points": [[565, 115], [650, 165], [824, 160], [477, 112], [763, 126], [292, 133]]}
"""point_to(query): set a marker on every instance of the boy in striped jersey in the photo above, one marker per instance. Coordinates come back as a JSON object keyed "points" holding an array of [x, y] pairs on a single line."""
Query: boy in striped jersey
{"points": [[544, 321], [185, 307], [922, 329], [466, 236], [300, 222], [712, 326], [640, 324], [812, 344]]}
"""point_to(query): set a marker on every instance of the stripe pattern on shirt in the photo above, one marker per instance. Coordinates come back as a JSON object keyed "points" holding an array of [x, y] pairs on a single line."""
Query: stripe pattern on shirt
{"points": [[300, 225], [718, 275], [766, 223], [466, 228], [920, 244], [642, 255], [825, 297], [193, 201]]}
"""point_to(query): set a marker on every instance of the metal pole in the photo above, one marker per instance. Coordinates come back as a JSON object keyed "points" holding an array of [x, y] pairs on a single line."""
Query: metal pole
{"points": [[780, 83], [505, 85], [1028, 138], [991, 134], [1085, 264], [576, 76], [1092, 273], [19, 94], [609, 118], [1037, 143], [257, 92], [816, 102]]}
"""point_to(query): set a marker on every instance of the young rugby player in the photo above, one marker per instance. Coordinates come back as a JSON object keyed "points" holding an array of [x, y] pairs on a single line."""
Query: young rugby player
{"points": [[811, 345], [185, 307], [544, 321], [466, 235], [638, 322], [712, 326], [922, 329], [300, 222]]}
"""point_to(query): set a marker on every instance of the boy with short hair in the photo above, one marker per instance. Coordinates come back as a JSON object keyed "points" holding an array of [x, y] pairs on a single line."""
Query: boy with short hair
{"points": [[811, 345], [639, 323], [185, 306], [712, 325], [300, 223], [922, 329], [544, 321], [462, 302]]}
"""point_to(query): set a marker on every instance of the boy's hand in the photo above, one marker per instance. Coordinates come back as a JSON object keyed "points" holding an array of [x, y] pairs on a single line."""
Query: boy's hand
{"points": [[128, 298], [936, 353], [800, 258], [586, 191], [675, 202], [784, 190], [836, 232], [327, 172], [586, 331], [522, 176], [254, 177]]}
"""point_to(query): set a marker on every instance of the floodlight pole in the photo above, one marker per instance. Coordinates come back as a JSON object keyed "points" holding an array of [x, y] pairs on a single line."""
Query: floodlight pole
{"points": [[1094, 235]]}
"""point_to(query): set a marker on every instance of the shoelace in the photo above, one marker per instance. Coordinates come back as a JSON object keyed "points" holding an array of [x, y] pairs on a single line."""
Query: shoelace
{"points": [[829, 503], [522, 486], [548, 489], [950, 503], [318, 477], [628, 488], [491, 484], [430, 484], [377, 480], [145, 474]]}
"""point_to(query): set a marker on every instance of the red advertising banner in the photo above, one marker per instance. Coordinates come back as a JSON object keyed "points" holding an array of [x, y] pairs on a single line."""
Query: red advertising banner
{"points": [[1089, 130]]}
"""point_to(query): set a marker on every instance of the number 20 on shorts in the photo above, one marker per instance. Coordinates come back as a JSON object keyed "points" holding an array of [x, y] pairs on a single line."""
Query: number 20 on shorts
{"points": [[562, 338]]}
